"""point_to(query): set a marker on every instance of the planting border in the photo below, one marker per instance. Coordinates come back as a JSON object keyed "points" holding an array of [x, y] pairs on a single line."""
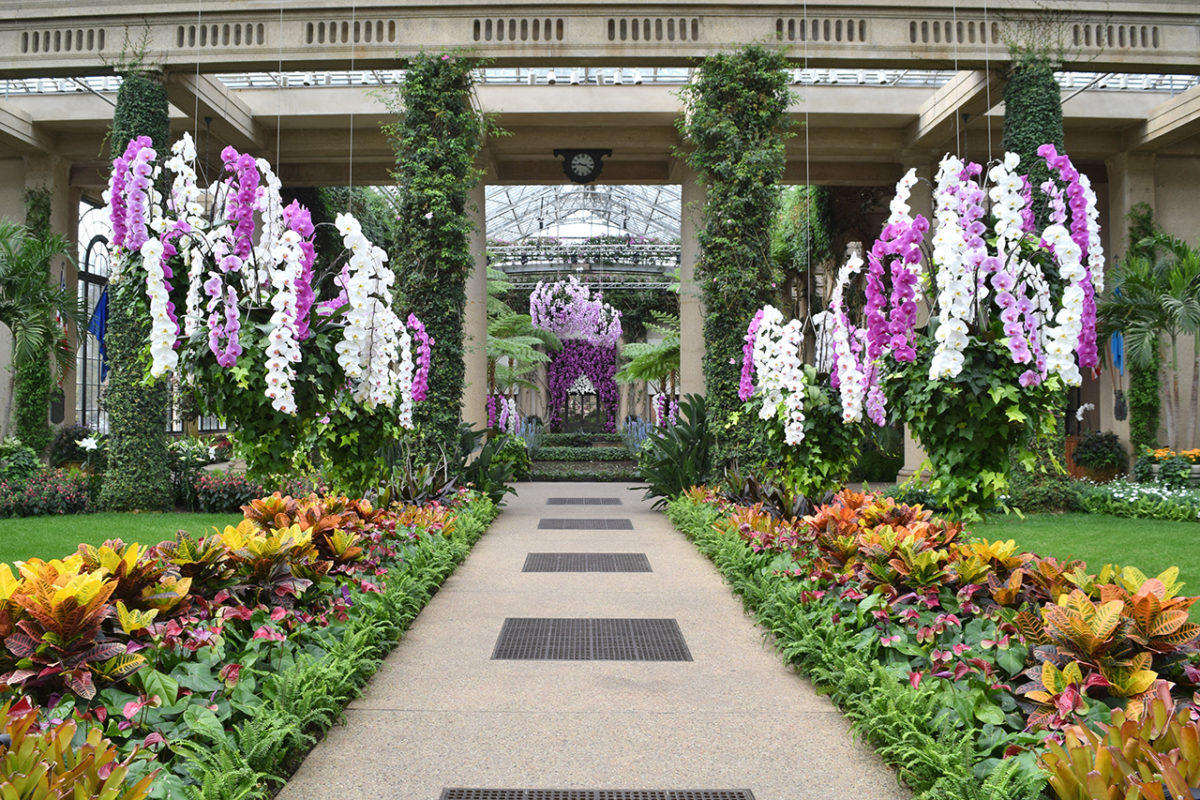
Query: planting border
{"points": [[901, 723]]}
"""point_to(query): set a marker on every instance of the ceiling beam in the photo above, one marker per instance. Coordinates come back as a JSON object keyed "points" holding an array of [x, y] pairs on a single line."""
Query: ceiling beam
{"points": [[18, 131], [1168, 123], [207, 98], [969, 93]]}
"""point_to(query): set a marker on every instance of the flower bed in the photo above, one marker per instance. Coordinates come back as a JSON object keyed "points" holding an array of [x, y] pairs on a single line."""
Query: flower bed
{"points": [[961, 661], [213, 664], [1143, 500]]}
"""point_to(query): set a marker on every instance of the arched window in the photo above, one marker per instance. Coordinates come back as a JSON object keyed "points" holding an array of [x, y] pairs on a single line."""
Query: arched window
{"points": [[94, 232]]}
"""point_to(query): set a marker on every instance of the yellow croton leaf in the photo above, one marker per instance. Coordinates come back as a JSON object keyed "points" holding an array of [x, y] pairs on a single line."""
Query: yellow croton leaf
{"points": [[131, 621], [110, 561], [8, 583], [82, 588]]}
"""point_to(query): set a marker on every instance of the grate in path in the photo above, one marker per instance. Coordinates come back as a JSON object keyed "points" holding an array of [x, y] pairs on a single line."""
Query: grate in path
{"points": [[597, 794], [558, 639], [604, 524], [583, 501], [586, 562]]}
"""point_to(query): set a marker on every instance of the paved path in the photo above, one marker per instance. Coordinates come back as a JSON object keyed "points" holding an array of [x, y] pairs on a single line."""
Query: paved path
{"points": [[440, 713]]}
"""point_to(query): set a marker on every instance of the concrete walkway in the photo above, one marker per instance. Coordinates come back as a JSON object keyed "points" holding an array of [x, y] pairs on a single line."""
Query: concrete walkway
{"points": [[440, 713]]}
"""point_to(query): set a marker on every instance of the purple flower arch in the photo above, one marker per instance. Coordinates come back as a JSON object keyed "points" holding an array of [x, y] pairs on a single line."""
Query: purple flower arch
{"points": [[599, 364]]}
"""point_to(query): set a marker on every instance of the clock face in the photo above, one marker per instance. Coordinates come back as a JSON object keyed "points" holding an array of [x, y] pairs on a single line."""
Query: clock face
{"points": [[583, 164]]}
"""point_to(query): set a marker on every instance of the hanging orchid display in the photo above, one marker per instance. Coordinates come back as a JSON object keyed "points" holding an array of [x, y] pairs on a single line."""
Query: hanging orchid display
{"points": [[589, 329], [1011, 318], [253, 325]]}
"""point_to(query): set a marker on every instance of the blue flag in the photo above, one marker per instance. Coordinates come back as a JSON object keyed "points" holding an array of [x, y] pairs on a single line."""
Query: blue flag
{"points": [[98, 327]]}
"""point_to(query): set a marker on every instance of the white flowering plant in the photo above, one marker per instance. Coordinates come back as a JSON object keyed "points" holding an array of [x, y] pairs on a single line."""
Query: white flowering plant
{"points": [[798, 435], [973, 325], [255, 341]]}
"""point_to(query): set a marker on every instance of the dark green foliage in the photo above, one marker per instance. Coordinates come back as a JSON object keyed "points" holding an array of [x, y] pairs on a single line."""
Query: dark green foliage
{"points": [[581, 471], [487, 473], [801, 241], [637, 307], [1098, 450], [31, 403], [583, 454], [681, 457], [220, 493], [1032, 118], [436, 138], [46, 491], [1042, 492], [138, 476], [736, 123], [18, 463], [1143, 468], [512, 451], [1175, 473], [1145, 399], [1144, 404], [32, 378], [64, 447], [417, 484], [747, 490], [577, 439]]}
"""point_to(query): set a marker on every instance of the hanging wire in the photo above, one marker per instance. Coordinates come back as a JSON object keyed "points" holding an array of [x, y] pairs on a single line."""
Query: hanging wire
{"points": [[988, 68], [279, 98], [808, 272], [350, 78], [196, 90], [958, 145]]}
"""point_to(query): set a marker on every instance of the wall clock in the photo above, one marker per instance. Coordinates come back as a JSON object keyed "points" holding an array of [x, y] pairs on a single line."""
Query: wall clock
{"points": [[582, 166]]}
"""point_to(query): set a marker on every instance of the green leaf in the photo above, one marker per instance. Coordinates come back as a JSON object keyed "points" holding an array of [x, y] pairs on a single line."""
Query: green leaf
{"points": [[205, 723], [989, 713]]}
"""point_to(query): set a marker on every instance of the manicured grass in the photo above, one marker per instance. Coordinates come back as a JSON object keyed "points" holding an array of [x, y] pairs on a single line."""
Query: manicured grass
{"points": [[58, 536], [1150, 545]]}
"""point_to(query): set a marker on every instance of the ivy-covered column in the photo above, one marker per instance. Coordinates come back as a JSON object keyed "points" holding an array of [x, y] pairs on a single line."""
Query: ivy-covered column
{"points": [[138, 475], [1032, 118], [735, 125], [437, 138]]}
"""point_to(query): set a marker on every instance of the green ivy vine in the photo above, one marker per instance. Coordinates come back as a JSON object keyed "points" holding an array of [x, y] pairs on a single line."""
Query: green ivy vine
{"points": [[32, 378], [138, 475], [735, 125], [436, 137]]}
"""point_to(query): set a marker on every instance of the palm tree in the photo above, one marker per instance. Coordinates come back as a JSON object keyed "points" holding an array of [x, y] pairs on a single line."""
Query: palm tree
{"points": [[512, 340], [1152, 296], [657, 363], [29, 301]]}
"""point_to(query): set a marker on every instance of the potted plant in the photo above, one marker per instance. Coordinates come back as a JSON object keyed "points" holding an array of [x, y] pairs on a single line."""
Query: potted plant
{"points": [[1100, 455]]}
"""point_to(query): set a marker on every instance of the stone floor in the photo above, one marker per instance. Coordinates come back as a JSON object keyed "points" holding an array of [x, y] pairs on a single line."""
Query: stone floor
{"points": [[441, 713]]}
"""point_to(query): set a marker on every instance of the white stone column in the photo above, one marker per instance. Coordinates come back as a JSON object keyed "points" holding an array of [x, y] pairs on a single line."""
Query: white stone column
{"points": [[474, 397], [1130, 181], [691, 308]]}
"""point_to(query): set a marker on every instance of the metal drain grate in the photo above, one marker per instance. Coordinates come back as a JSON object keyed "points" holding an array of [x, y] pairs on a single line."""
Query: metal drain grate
{"points": [[586, 562], [584, 501], [597, 794], [613, 524], [545, 639]]}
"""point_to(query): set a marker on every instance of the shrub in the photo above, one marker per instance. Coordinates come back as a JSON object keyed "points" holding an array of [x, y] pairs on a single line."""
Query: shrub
{"points": [[224, 493], [679, 456], [187, 455], [583, 454], [1175, 473], [1100, 451], [512, 451], [17, 462], [1143, 468], [1142, 501], [64, 447], [1042, 492], [48, 491]]}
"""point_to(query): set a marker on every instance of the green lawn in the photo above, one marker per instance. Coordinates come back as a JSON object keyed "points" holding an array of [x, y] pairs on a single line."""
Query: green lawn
{"points": [[1150, 545], [58, 536]]}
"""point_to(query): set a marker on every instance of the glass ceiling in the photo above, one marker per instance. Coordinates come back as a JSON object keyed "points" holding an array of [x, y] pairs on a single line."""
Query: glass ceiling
{"points": [[517, 213], [606, 76]]}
